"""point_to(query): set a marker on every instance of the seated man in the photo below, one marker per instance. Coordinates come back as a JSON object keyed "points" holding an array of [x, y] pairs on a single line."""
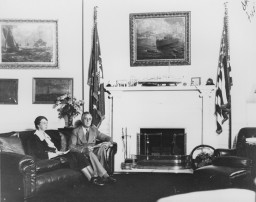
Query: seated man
{"points": [[83, 140], [42, 147]]}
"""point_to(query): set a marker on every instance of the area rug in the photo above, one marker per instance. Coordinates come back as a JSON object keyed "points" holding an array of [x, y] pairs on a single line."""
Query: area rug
{"points": [[134, 187]]}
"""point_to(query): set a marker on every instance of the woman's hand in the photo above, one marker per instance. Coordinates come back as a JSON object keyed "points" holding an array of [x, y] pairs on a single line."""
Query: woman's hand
{"points": [[59, 153]]}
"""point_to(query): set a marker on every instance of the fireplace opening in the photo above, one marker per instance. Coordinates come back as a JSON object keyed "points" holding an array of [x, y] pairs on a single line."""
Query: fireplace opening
{"points": [[161, 141]]}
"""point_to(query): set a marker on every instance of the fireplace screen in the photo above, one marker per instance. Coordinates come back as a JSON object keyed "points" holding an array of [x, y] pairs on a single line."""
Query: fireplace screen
{"points": [[158, 142]]}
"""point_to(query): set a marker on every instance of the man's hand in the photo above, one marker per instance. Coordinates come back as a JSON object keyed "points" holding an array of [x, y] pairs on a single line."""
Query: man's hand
{"points": [[90, 148], [108, 144]]}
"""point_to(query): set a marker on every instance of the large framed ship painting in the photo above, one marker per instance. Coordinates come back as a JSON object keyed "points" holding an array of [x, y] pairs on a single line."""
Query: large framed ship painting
{"points": [[9, 91], [29, 44], [160, 39], [46, 90]]}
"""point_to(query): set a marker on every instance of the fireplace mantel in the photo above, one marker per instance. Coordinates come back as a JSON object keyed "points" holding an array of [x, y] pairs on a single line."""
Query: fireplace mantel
{"points": [[162, 88], [188, 107]]}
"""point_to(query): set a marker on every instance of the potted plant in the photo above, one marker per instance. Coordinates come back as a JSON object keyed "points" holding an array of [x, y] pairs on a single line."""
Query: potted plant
{"points": [[68, 107]]}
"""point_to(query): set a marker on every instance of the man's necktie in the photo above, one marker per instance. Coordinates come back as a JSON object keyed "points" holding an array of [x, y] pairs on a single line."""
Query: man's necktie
{"points": [[87, 135]]}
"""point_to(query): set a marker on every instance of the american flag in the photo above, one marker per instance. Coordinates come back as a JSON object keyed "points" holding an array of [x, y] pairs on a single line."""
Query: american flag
{"points": [[95, 80], [224, 81]]}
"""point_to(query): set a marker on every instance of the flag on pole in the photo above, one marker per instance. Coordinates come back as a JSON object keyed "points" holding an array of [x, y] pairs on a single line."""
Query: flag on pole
{"points": [[95, 79], [224, 80]]}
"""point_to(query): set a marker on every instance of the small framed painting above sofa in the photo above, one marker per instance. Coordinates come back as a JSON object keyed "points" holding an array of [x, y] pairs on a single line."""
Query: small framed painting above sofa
{"points": [[46, 90], [8, 91]]}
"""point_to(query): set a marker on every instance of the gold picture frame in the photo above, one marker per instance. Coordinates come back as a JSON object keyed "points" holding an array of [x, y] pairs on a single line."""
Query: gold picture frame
{"points": [[160, 39], [27, 44]]}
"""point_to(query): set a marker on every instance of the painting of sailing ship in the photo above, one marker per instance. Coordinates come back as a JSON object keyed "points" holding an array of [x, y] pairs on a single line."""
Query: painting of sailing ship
{"points": [[46, 90], [160, 39], [28, 44]]}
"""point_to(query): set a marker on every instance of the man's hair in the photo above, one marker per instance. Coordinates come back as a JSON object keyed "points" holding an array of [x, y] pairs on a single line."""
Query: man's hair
{"points": [[38, 120], [85, 113]]}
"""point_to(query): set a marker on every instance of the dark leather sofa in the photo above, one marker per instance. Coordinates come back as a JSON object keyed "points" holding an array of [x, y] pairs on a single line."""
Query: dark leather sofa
{"points": [[23, 175], [230, 167]]}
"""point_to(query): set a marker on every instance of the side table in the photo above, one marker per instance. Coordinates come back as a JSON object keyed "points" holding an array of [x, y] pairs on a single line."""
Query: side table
{"points": [[67, 132]]}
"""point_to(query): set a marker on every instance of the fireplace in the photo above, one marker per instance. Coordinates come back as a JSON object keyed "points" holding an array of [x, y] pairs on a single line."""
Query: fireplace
{"points": [[161, 107], [161, 141]]}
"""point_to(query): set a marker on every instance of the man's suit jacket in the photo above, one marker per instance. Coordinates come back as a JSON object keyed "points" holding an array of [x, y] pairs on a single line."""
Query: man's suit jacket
{"points": [[78, 138]]}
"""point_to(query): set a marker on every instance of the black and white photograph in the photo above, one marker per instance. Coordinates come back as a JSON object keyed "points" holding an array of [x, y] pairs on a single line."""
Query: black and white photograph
{"points": [[195, 81], [128, 101]]}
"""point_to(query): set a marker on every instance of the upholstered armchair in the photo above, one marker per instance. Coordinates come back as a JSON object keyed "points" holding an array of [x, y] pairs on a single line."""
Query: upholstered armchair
{"points": [[230, 167]]}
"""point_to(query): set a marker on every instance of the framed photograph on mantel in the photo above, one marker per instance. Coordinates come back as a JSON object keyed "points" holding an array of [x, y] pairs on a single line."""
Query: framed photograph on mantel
{"points": [[29, 44], [195, 81], [9, 91], [46, 90], [160, 39]]}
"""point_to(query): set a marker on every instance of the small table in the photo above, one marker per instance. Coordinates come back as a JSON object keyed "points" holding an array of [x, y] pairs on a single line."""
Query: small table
{"points": [[66, 131]]}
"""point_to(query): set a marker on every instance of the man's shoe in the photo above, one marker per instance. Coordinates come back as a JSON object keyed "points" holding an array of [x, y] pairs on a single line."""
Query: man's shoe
{"points": [[97, 181], [109, 179]]}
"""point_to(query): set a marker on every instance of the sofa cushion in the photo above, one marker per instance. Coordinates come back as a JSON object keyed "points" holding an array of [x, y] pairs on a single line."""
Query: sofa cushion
{"points": [[58, 178], [11, 144], [212, 177], [51, 164], [25, 139]]}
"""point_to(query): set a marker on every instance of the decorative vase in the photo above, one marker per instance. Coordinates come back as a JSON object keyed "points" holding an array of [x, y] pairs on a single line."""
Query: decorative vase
{"points": [[68, 121]]}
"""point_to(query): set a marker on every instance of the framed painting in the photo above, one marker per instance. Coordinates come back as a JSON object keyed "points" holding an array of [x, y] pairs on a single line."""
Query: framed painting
{"points": [[29, 44], [8, 91], [46, 90], [195, 81], [160, 39]]}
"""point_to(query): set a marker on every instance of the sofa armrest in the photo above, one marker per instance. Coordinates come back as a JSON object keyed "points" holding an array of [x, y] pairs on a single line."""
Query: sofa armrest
{"points": [[27, 167], [225, 152], [21, 168], [111, 157], [233, 161]]}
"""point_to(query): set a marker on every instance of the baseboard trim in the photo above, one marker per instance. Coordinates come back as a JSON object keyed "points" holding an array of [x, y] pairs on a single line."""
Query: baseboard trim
{"points": [[162, 170]]}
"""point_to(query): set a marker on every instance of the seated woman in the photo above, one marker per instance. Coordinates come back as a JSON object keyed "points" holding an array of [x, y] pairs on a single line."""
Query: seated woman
{"points": [[44, 148]]}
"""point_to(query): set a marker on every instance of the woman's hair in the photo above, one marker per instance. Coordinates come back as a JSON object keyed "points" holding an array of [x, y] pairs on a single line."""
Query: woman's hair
{"points": [[38, 120]]}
